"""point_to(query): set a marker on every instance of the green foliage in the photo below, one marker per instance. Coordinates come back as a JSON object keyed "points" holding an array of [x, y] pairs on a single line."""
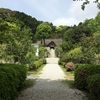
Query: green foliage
{"points": [[88, 49], [61, 63], [97, 58], [43, 31], [94, 86], [43, 52], [36, 64], [82, 73], [66, 46], [97, 42], [58, 51], [87, 2], [59, 31], [16, 34], [2, 50], [15, 40], [30, 57], [16, 28], [74, 55], [32, 23], [44, 61], [14, 16], [75, 33], [12, 77], [18, 46]]}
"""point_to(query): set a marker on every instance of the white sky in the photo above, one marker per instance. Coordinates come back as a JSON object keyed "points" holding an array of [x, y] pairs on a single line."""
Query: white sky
{"points": [[59, 12]]}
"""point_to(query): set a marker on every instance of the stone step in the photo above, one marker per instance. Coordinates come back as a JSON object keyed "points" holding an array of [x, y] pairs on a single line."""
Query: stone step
{"points": [[52, 60]]}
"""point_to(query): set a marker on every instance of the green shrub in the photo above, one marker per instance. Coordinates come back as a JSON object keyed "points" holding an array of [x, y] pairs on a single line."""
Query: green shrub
{"points": [[58, 51], [82, 73], [31, 66], [61, 63], [36, 64], [43, 52], [94, 86], [97, 57], [12, 77], [74, 55], [44, 61]]}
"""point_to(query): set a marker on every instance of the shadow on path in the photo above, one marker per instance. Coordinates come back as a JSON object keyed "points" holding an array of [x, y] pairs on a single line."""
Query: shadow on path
{"points": [[50, 86]]}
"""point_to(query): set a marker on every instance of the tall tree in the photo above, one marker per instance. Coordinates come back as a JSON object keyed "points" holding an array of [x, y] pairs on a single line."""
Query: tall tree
{"points": [[43, 31]]}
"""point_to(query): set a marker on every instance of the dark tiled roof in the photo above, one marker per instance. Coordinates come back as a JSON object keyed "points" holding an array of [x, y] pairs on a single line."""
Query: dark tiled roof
{"points": [[48, 41]]}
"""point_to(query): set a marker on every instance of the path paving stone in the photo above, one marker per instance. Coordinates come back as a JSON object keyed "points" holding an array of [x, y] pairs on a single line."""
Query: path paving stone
{"points": [[49, 86]]}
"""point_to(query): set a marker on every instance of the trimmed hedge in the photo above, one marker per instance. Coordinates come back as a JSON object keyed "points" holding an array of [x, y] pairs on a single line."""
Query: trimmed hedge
{"points": [[12, 77], [82, 73], [94, 86]]}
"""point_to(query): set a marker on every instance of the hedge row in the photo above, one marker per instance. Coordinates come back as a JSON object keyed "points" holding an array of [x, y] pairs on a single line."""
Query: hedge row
{"points": [[86, 79], [12, 77], [94, 86], [36, 64]]}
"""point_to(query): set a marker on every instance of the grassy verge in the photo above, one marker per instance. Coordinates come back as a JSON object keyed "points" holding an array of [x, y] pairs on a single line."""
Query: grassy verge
{"points": [[69, 77], [34, 72]]}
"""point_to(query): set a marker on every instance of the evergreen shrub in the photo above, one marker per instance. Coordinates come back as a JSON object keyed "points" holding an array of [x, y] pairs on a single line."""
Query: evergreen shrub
{"points": [[82, 73], [12, 77], [36, 64], [94, 86]]}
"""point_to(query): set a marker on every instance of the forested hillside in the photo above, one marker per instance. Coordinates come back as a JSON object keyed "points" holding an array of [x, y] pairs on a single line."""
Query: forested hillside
{"points": [[17, 28], [82, 42]]}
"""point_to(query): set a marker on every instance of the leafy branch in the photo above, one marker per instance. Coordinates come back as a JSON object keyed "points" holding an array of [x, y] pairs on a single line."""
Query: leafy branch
{"points": [[87, 2]]}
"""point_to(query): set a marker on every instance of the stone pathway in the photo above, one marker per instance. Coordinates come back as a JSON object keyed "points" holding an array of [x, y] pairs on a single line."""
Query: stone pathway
{"points": [[52, 53], [52, 60], [49, 86]]}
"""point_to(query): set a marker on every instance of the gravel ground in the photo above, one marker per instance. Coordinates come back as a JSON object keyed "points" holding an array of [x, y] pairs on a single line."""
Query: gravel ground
{"points": [[49, 86]]}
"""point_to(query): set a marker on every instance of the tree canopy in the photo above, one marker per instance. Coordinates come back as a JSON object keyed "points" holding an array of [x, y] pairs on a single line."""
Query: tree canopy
{"points": [[43, 31], [18, 33]]}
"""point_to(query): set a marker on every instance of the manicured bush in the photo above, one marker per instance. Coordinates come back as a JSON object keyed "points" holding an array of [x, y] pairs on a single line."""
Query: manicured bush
{"points": [[82, 73], [94, 86], [70, 66], [12, 77]]}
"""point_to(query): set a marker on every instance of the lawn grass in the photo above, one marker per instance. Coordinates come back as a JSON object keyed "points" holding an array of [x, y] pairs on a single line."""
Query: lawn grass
{"points": [[69, 74], [34, 72], [69, 77]]}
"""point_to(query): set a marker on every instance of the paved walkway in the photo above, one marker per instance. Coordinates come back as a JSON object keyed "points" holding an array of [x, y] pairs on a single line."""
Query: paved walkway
{"points": [[49, 86], [52, 53], [52, 60]]}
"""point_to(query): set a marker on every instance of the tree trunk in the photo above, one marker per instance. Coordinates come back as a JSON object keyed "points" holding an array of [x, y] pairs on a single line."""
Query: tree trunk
{"points": [[41, 41], [44, 41]]}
